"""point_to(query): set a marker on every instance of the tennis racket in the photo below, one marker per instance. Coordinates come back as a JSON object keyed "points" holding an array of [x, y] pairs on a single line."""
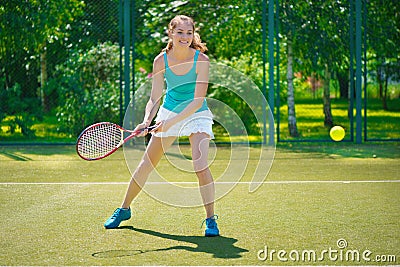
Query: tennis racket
{"points": [[102, 139]]}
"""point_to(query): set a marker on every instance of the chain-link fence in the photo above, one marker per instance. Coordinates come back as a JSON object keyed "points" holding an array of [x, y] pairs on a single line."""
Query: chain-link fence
{"points": [[381, 23], [320, 90], [63, 63], [56, 58]]}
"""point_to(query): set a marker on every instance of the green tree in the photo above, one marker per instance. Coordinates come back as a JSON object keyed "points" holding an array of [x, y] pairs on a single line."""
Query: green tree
{"points": [[318, 32], [290, 17], [230, 28], [383, 28], [28, 29], [89, 88]]}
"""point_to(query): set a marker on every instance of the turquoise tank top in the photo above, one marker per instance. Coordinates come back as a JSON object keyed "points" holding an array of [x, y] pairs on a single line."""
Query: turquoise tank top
{"points": [[180, 88]]}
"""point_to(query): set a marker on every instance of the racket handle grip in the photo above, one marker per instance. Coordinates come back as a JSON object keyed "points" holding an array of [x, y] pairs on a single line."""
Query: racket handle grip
{"points": [[138, 131], [149, 128]]}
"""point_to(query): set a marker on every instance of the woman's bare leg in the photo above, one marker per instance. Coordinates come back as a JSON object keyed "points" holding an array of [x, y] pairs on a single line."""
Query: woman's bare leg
{"points": [[154, 151], [200, 143]]}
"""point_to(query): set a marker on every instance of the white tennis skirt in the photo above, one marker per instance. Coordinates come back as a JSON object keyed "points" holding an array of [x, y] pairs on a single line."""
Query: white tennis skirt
{"points": [[199, 122]]}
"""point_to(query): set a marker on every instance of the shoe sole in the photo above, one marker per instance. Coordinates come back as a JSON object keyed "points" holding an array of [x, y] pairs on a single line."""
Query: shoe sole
{"points": [[113, 227], [211, 235]]}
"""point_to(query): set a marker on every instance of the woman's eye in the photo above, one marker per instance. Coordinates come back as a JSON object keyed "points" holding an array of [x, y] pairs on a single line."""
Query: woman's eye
{"points": [[189, 33]]}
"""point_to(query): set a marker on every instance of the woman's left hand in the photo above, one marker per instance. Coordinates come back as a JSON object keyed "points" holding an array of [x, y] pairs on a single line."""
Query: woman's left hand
{"points": [[162, 126]]}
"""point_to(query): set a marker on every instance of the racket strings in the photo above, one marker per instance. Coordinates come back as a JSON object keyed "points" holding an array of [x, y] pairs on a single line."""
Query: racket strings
{"points": [[99, 141]]}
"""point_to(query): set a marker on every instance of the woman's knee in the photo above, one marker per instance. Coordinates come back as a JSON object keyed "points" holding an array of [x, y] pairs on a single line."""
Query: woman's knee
{"points": [[200, 165]]}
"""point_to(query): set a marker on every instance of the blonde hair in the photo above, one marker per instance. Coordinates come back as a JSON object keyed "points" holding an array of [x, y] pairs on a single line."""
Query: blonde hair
{"points": [[196, 43]]}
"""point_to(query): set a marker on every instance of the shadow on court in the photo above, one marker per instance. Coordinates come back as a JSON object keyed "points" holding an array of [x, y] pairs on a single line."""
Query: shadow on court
{"points": [[218, 247], [15, 156]]}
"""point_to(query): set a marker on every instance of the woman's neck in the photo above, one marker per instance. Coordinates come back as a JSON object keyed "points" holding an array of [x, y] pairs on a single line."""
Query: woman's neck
{"points": [[181, 54]]}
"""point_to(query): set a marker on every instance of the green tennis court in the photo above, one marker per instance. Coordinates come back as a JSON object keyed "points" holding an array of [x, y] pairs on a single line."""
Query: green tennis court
{"points": [[333, 204]]}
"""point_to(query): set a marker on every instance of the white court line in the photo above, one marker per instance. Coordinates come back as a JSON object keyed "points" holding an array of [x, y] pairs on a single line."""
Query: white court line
{"points": [[156, 183]]}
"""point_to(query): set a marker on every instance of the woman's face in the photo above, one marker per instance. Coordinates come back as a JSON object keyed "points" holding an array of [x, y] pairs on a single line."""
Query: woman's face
{"points": [[182, 35]]}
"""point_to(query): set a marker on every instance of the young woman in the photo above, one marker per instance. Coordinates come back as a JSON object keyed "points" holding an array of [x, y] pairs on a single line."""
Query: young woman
{"points": [[184, 112]]}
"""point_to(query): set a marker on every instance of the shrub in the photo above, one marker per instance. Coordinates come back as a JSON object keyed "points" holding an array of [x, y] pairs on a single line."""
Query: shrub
{"points": [[89, 88], [251, 67], [19, 112]]}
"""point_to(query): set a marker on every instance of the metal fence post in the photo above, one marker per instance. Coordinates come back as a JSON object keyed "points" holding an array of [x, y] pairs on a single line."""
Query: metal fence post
{"points": [[278, 100], [120, 40], [127, 44], [352, 85], [271, 60], [264, 58], [364, 18], [133, 59], [358, 74]]}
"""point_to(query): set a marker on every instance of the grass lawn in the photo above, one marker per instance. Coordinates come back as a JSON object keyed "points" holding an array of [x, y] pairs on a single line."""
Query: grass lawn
{"points": [[316, 199], [381, 124]]}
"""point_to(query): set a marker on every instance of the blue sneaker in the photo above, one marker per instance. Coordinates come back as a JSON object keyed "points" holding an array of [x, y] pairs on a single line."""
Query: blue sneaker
{"points": [[211, 226], [118, 216]]}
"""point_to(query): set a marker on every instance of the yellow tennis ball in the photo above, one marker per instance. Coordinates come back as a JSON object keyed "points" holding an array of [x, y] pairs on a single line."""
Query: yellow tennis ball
{"points": [[337, 133]]}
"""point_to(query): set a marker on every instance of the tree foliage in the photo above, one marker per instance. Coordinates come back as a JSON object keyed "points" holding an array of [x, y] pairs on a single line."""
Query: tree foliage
{"points": [[383, 43], [89, 88], [28, 29], [77, 41]]}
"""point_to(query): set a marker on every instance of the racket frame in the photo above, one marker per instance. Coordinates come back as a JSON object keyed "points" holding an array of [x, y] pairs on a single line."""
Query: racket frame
{"points": [[123, 140]]}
